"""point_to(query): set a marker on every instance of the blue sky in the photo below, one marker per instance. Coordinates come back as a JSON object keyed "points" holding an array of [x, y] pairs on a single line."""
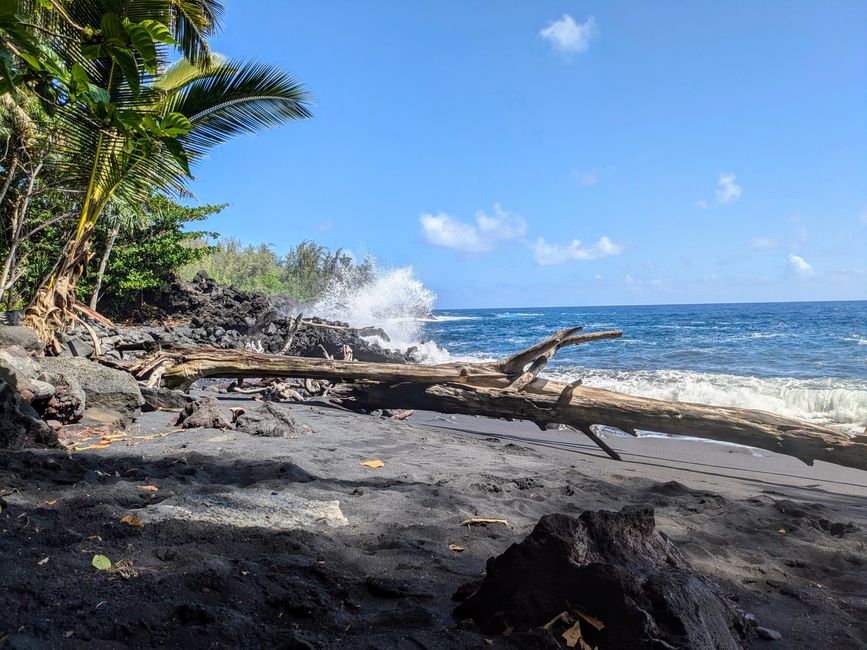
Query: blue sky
{"points": [[565, 153]]}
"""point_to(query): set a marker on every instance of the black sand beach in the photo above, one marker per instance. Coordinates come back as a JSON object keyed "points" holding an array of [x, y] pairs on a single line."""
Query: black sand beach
{"points": [[291, 542]]}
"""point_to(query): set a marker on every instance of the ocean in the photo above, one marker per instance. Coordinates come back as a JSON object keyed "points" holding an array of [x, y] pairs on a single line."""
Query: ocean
{"points": [[803, 360], [806, 360]]}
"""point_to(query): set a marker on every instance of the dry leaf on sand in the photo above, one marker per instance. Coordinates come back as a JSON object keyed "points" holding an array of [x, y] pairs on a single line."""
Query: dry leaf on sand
{"points": [[149, 488], [456, 548], [373, 463], [132, 520]]}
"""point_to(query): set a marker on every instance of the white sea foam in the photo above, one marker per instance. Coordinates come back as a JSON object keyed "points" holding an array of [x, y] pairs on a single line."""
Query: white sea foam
{"points": [[518, 314], [446, 317], [838, 402], [395, 301]]}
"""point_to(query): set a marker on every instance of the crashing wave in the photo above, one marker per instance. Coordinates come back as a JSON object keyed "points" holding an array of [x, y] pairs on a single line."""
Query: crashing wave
{"points": [[837, 402], [392, 299]]}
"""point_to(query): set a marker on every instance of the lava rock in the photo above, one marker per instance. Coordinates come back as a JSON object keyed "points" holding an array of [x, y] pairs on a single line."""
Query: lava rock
{"points": [[20, 424], [77, 347], [205, 412], [268, 420], [69, 400], [21, 336], [611, 566], [104, 387], [164, 399]]}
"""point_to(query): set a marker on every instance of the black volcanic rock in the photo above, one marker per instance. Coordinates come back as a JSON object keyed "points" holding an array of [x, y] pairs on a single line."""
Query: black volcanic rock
{"points": [[612, 567]]}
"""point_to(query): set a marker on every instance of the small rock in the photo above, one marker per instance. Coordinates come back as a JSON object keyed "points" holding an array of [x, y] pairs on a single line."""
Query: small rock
{"points": [[20, 425], [76, 347], [268, 421], [205, 412], [164, 399]]}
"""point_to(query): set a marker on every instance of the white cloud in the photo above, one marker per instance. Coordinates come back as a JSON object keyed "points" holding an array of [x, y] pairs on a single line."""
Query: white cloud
{"points": [[762, 243], [801, 266], [863, 217], [588, 178], [728, 191], [551, 254], [701, 205], [569, 37], [444, 230]]}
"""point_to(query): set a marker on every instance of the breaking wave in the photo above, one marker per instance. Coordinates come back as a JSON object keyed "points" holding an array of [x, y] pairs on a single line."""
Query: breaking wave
{"points": [[392, 299], [836, 402]]}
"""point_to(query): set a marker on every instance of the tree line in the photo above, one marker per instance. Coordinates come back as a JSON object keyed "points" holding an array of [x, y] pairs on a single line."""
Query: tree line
{"points": [[106, 107]]}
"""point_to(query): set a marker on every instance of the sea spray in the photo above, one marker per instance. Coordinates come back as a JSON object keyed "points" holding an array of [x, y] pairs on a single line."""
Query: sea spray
{"points": [[392, 299]]}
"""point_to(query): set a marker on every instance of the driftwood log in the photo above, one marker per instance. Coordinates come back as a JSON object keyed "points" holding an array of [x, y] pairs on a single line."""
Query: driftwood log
{"points": [[511, 388]]}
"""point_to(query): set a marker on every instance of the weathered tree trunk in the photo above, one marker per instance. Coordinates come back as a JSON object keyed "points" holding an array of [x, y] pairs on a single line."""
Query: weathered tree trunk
{"points": [[54, 303], [510, 388], [103, 263], [581, 406]]}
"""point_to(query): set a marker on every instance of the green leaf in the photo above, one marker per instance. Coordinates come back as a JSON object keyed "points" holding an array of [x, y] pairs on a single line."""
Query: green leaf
{"points": [[31, 60], [177, 150], [97, 95], [101, 562], [79, 74], [93, 51], [129, 67], [112, 29], [144, 45], [8, 7], [158, 32], [175, 124]]}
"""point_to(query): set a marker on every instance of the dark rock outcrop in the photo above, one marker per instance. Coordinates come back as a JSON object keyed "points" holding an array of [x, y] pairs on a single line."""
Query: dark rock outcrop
{"points": [[20, 425], [202, 302], [612, 568]]}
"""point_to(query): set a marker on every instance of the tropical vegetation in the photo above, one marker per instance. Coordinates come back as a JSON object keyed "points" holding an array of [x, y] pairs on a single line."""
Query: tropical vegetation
{"points": [[305, 272], [104, 106]]}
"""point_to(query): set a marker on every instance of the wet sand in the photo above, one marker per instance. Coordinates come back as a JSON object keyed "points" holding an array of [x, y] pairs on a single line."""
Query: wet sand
{"points": [[293, 543]]}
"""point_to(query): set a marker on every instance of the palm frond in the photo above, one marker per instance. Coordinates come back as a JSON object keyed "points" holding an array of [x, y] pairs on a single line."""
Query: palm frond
{"points": [[235, 98]]}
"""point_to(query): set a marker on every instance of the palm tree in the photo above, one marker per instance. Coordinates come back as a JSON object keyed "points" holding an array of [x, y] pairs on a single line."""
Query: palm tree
{"points": [[155, 125]]}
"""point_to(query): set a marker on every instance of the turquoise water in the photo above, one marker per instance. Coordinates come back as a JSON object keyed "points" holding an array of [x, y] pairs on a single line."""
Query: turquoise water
{"points": [[805, 360]]}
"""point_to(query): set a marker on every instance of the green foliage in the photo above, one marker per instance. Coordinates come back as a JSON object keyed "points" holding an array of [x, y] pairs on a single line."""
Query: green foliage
{"points": [[153, 246], [126, 124], [304, 273]]}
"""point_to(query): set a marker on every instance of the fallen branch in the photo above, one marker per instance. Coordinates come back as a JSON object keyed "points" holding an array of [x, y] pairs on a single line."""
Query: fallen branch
{"points": [[511, 388]]}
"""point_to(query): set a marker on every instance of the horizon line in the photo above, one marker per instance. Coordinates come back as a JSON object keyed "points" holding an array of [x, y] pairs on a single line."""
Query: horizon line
{"points": [[661, 304]]}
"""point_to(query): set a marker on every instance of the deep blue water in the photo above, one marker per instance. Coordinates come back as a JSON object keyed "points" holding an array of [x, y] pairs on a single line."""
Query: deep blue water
{"points": [[807, 360]]}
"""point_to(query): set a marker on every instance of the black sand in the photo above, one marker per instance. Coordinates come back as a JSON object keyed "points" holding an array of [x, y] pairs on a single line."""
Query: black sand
{"points": [[291, 542]]}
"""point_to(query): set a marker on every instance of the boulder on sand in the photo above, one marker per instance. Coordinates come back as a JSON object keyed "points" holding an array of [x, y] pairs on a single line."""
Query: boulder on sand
{"points": [[205, 412], [20, 425], [268, 420], [608, 578], [104, 388]]}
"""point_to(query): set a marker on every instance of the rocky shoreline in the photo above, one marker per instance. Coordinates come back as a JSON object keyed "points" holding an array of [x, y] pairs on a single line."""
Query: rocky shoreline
{"points": [[42, 394]]}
